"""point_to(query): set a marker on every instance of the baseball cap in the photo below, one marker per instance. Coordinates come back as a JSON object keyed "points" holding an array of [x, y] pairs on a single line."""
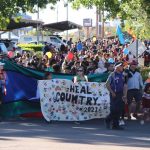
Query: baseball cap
{"points": [[118, 64]]}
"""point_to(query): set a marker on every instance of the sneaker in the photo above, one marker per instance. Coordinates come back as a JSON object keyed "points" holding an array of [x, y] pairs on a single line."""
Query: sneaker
{"points": [[135, 116], [76, 122], [121, 122]]}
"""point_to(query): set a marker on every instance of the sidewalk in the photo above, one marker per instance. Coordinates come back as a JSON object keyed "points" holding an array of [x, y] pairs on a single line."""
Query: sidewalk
{"points": [[30, 134]]}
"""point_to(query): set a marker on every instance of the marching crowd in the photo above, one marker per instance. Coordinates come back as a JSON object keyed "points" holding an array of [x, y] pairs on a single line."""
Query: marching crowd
{"points": [[81, 59]]}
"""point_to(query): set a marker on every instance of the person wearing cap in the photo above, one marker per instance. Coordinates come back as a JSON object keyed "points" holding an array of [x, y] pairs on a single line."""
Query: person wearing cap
{"points": [[135, 84], [117, 86]]}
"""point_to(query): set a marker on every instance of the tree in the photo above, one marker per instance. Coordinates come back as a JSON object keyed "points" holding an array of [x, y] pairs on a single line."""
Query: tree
{"points": [[137, 16], [9, 8], [135, 12]]}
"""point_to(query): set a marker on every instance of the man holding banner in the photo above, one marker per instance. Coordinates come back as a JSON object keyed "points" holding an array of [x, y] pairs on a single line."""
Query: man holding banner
{"points": [[117, 86]]}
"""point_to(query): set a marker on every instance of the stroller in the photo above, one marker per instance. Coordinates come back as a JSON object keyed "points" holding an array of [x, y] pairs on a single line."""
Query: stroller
{"points": [[146, 104]]}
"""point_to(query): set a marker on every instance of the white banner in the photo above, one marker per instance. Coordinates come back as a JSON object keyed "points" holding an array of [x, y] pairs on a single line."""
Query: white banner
{"points": [[64, 100]]}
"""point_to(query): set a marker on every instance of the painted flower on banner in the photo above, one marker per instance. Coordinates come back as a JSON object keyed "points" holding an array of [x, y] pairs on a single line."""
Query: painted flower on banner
{"points": [[57, 81], [57, 88], [93, 85]]}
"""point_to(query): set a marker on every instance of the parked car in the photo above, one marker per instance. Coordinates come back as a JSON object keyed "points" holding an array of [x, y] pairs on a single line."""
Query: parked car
{"points": [[3, 48], [11, 46], [35, 42], [56, 41]]}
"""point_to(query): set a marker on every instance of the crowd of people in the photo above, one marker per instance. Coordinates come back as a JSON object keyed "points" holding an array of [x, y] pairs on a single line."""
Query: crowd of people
{"points": [[97, 57], [94, 57]]}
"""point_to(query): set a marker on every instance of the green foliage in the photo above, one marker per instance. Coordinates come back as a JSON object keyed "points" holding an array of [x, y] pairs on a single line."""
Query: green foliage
{"points": [[27, 49], [144, 73], [31, 47], [9, 8], [136, 12]]}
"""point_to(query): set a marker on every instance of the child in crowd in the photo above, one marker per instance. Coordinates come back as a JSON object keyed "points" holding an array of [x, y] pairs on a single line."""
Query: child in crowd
{"points": [[146, 102]]}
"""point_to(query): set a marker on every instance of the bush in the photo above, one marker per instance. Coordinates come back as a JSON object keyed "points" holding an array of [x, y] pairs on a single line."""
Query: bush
{"points": [[31, 47], [28, 49], [144, 72]]}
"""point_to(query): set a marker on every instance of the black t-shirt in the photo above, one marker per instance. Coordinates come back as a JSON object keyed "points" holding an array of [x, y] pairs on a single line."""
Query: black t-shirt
{"points": [[90, 70], [85, 63]]}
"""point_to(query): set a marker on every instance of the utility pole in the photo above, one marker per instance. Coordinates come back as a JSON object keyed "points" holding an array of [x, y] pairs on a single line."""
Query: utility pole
{"points": [[103, 22], [137, 47], [67, 20], [100, 23], [57, 11], [97, 24], [37, 30]]}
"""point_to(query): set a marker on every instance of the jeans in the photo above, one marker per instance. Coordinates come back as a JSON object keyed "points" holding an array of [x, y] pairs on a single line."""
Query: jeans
{"points": [[116, 109]]}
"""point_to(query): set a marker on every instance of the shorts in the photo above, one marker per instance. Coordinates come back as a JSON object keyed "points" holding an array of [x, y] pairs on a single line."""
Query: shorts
{"points": [[134, 94]]}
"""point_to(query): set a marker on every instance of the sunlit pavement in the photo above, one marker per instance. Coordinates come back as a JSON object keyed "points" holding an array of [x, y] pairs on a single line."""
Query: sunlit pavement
{"points": [[36, 134]]}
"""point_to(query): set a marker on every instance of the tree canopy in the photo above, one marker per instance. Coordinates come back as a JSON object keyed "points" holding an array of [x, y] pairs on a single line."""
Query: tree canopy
{"points": [[9, 8], [136, 13]]}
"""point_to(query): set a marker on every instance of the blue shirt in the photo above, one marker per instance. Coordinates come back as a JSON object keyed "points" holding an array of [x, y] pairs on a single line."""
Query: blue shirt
{"points": [[135, 82], [79, 46], [116, 81]]}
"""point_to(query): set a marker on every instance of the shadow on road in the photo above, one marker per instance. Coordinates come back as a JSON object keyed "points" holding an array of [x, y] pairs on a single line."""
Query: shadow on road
{"points": [[89, 132]]}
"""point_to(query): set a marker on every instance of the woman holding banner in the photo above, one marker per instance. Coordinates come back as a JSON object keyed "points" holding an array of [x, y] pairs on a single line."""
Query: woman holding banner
{"points": [[80, 75], [79, 78]]}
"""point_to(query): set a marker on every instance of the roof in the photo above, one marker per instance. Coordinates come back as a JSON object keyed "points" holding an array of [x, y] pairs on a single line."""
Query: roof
{"points": [[22, 23], [62, 26]]}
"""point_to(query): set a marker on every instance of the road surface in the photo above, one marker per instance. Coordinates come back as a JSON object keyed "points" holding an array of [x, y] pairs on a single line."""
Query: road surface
{"points": [[36, 134]]}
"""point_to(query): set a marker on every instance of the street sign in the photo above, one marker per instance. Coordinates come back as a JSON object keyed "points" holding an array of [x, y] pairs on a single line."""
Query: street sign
{"points": [[87, 22]]}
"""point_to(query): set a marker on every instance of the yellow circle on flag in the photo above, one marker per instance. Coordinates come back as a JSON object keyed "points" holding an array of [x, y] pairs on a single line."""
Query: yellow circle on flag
{"points": [[94, 39], [49, 55]]}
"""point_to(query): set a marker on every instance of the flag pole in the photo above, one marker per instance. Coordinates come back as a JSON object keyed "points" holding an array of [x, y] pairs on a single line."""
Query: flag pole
{"points": [[137, 45]]}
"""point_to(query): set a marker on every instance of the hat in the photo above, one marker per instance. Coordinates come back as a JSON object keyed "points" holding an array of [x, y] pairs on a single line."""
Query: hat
{"points": [[118, 64], [134, 62]]}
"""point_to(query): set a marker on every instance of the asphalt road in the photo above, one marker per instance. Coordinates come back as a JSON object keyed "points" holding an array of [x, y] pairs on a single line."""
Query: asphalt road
{"points": [[36, 134]]}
